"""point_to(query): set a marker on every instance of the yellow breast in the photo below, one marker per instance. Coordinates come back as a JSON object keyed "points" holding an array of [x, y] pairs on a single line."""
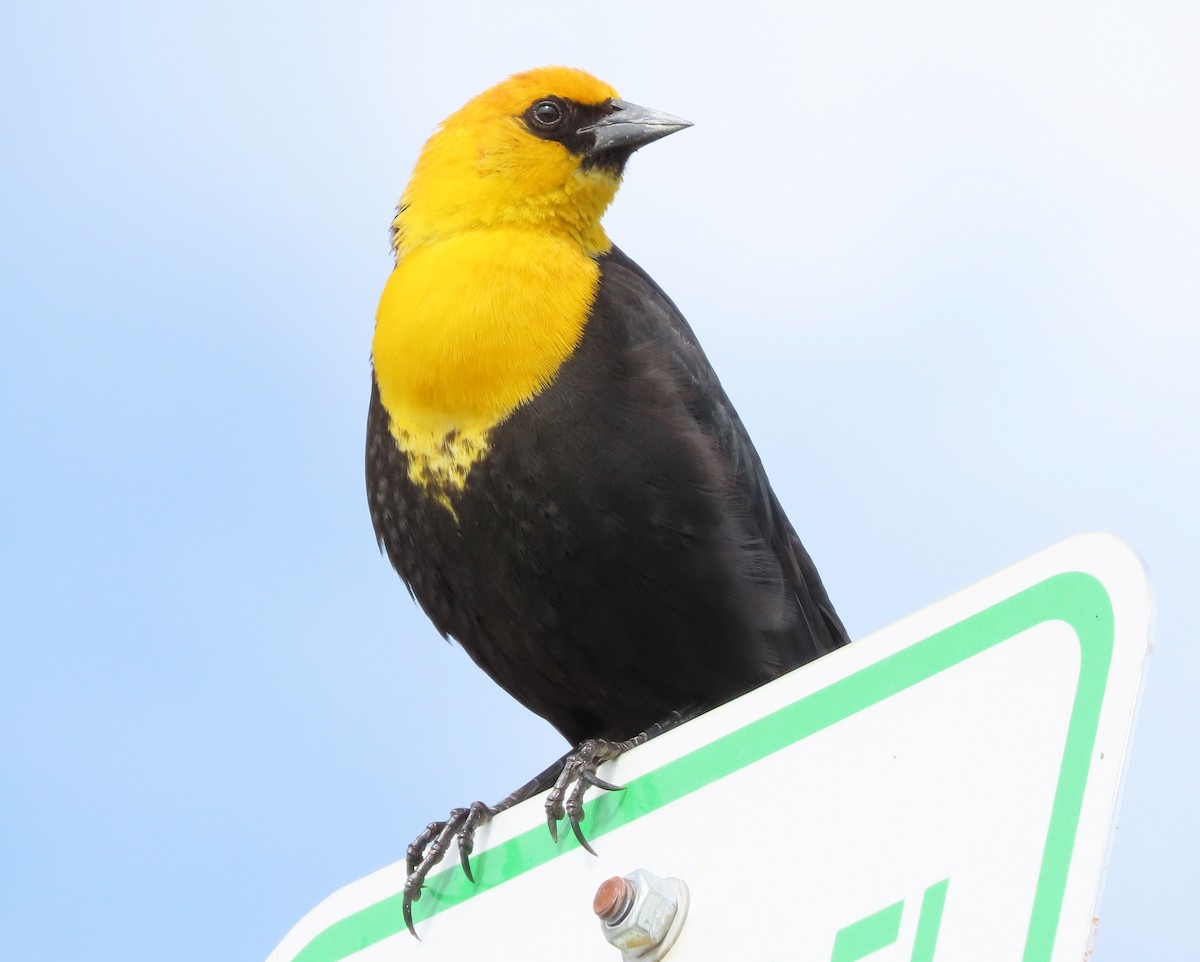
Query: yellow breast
{"points": [[468, 329]]}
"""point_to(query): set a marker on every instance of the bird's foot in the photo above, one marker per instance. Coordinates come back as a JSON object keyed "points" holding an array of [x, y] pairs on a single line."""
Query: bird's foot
{"points": [[568, 779], [579, 772], [430, 847], [577, 775]]}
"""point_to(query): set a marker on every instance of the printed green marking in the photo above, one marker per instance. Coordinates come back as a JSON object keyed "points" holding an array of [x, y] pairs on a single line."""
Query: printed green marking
{"points": [[929, 921], [882, 928], [860, 939], [1076, 598]]}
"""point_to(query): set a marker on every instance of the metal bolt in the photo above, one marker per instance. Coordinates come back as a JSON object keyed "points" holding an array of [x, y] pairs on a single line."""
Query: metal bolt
{"points": [[641, 914], [613, 899]]}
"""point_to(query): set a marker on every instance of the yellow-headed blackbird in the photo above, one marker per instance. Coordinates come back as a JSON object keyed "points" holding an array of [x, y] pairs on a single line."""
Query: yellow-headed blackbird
{"points": [[552, 465]]}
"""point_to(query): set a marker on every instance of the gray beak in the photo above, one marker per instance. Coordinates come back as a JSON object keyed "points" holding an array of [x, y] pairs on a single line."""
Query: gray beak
{"points": [[629, 127]]}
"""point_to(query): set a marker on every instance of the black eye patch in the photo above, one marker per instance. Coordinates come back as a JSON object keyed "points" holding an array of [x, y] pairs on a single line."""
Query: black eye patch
{"points": [[558, 119]]}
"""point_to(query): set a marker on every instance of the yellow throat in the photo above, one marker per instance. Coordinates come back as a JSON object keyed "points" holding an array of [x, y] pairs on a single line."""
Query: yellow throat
{"points": [[496, 239]]}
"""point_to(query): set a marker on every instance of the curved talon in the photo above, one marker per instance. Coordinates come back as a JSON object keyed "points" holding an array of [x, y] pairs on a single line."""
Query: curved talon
{"points": [[574, 807], [577, 775], [592, 779], [406, 910], [428, 849], [583, 842], [476, 816]]}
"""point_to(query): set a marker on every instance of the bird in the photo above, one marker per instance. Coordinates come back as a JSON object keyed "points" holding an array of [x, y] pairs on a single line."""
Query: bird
{"points": [[552, 465]]}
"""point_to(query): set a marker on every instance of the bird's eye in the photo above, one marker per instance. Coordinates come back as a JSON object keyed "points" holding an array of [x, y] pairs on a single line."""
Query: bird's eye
{"points": [[547, 113]]}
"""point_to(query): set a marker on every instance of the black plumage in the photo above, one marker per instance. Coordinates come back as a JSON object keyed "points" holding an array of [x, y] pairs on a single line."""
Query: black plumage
{"points": [[618, 553]]}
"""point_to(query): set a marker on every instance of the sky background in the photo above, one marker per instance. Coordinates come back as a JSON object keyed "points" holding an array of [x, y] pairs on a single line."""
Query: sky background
{"points": [[946, 262]]}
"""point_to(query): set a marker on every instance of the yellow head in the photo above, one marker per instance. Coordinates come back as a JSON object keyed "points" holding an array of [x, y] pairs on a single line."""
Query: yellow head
{"points": [[544, 149], [496, 242]]}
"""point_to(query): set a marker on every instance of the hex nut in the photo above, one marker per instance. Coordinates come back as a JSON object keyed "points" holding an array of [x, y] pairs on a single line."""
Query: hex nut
{"points": [[650, 926]]}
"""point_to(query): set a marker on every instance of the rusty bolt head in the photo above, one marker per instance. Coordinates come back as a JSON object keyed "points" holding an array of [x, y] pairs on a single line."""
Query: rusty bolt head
{"points": [[613, 899]]}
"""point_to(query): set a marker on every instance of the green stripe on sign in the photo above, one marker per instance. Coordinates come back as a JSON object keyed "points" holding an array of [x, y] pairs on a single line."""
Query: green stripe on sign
{"points": [[868, 935], [1076, 598], [929, 921]]}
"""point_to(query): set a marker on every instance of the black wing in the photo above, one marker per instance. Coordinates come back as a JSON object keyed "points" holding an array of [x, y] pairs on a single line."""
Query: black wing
{"points": [[717, 418]]}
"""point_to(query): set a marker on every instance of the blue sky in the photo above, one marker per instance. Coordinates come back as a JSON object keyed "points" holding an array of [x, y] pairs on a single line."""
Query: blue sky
{"points": [[945, 262]]}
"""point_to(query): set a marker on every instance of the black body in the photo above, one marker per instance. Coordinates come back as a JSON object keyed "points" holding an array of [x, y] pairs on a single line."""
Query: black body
{"points": [[618, 552]]}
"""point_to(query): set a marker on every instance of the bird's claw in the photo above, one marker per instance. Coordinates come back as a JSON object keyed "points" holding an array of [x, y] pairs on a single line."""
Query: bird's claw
{"points": [[592, 779], [429, 848], [477, 814], [578, 774], [568, 779]]}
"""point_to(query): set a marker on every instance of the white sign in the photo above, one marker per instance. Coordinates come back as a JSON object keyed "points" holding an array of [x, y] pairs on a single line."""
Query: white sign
{"points": [[941, 790]]}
